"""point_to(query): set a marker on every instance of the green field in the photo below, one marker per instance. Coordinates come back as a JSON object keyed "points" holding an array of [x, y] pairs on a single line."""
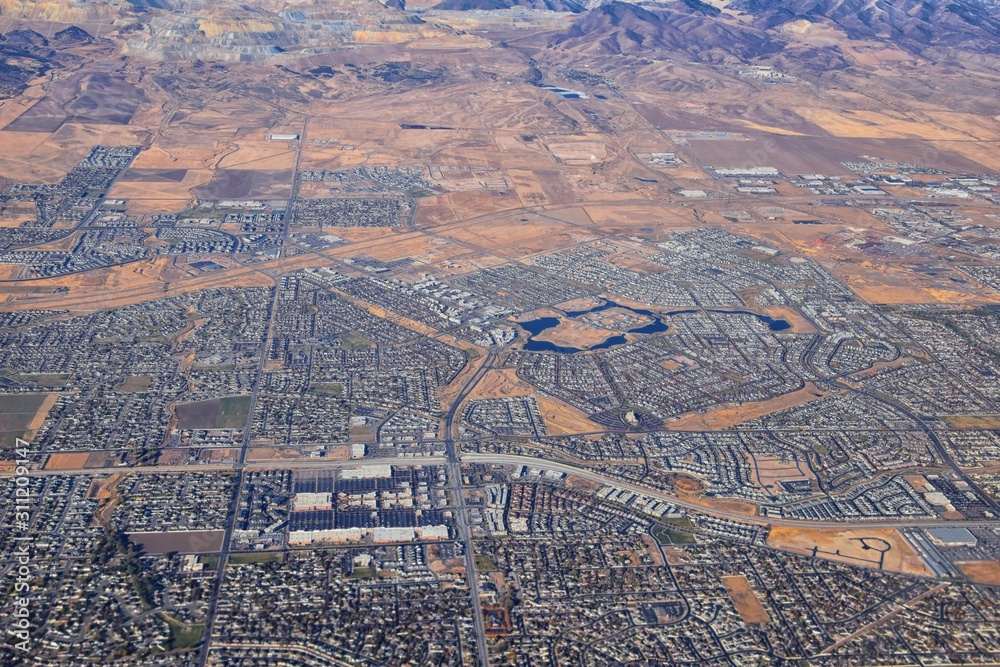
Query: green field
{"points": [[249, 559], [234, 411], [484, 563], [42, 379], [183, 635], [362, 573], [209, 562], [327, 389], [135, 384], [228, 412], [16, 413], [350, 341], [667, 536]]}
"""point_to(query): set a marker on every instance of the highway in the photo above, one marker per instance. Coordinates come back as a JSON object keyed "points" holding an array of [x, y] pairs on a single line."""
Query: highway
{"points": [[511, 459], [462, 514], [276, 464], [248, 431], [455, 460]]}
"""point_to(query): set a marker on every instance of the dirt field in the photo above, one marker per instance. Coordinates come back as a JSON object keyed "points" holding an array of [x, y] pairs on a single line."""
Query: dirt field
{"points": [[506, 234], [888, 285], [692, 489], [734, 505], [571, 333], [585, 303], [563, 419], [585, 150], [973, 422], [260, 155], [652, 221], [982, 571], [878, 366], [727, 416], [848, 546], [745, 600], [439, 565], [582, 484], [890, 137], [273, 453], [124, 285], [76, 461], [768, 472], [171, 457]]}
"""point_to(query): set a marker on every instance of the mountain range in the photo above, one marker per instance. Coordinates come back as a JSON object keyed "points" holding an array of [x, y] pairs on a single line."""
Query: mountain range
{"points": [[705, 30], [910, 24], [747, 29]]}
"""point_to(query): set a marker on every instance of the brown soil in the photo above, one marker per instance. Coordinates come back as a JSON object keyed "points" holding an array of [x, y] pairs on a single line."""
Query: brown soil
{"points": [[745, 600], [561, 418], [846, 546], [982, 571], [725, 417], [74, 461]]}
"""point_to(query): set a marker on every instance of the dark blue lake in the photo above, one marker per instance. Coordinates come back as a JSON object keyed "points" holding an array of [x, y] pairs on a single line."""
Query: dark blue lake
{"points": [[772, 323], [537, 326]]}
